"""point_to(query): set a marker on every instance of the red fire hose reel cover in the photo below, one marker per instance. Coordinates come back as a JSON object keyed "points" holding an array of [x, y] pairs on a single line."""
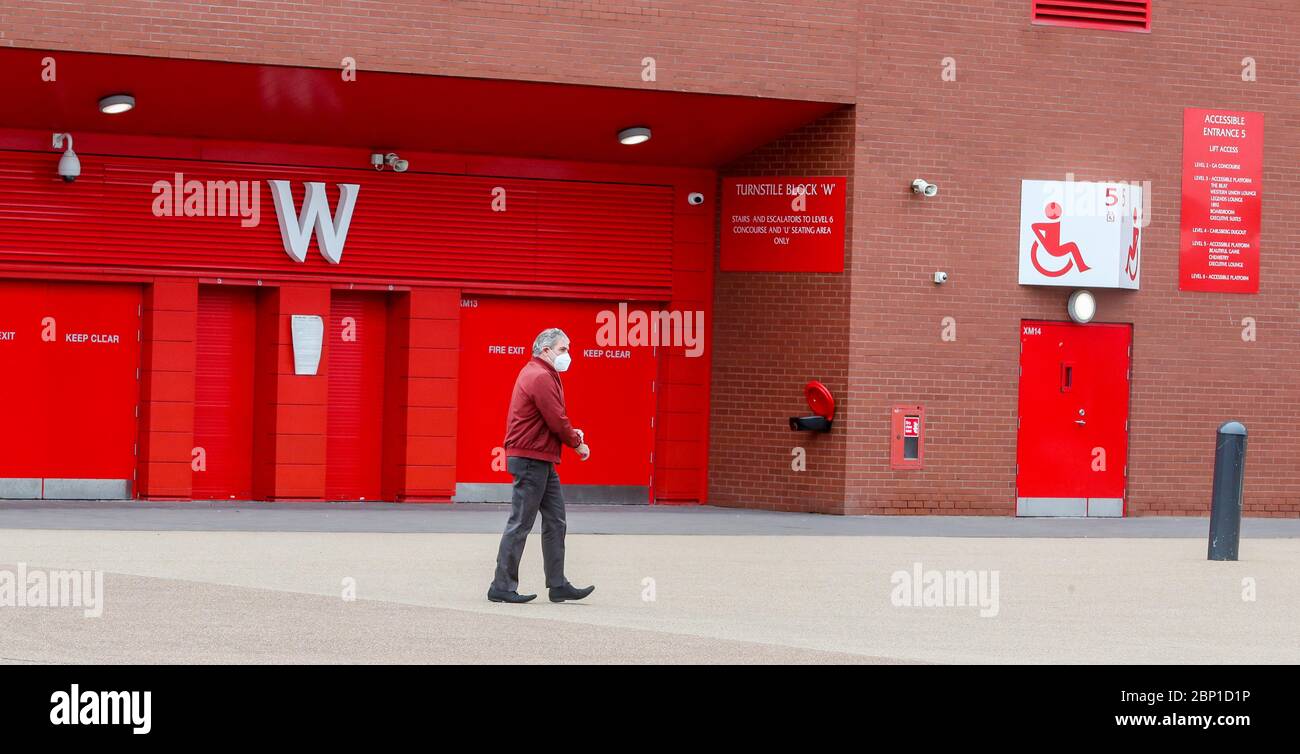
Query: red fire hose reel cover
{"points": [[820, 400]]}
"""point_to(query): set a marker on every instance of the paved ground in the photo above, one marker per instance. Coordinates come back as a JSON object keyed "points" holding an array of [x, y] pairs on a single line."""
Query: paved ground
{"points": [[196, 584], [484, 518]]}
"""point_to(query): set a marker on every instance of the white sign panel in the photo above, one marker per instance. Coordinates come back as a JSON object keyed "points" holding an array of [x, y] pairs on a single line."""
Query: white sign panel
{"points": [[308, 335], [1080, 234]]}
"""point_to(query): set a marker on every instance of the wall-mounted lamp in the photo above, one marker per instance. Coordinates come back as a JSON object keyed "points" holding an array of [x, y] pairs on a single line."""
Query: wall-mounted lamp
{"points": [[1082, 306]]}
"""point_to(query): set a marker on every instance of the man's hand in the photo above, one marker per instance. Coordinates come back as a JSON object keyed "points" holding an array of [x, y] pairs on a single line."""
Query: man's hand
{"points": [[583, 451], [581, 436]]}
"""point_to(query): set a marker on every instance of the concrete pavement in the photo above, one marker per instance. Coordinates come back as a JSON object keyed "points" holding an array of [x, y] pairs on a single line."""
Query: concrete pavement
{"points": [[186, 596], [481, 518]]}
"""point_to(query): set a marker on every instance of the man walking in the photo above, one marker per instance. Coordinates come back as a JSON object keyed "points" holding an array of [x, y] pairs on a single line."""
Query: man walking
{"points": [[536, 427]]}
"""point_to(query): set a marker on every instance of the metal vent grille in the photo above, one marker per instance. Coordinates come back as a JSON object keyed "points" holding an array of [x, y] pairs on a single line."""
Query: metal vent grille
{"points": [[1112, 15]]}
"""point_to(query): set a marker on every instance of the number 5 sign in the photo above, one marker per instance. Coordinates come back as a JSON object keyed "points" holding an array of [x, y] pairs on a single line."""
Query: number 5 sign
{"points": [[1080, 234]]}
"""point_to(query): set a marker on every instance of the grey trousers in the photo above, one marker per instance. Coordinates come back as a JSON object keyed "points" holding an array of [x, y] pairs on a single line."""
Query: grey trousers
{"points": [[537, 488]]}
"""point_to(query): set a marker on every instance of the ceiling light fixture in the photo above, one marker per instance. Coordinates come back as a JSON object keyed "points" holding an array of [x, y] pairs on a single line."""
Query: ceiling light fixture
{"points": [[634, 135], [116, 103]]}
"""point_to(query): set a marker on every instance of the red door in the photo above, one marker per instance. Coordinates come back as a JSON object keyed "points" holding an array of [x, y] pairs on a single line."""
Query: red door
{"points": [[608, 392], [24, 390], [1072, 446], [354, 449], [69, 389], [223, 393]]}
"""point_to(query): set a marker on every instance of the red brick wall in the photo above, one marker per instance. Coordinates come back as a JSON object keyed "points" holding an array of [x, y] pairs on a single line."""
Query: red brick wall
{"points": [[1039, 102], [790, 50], [772, 333]]}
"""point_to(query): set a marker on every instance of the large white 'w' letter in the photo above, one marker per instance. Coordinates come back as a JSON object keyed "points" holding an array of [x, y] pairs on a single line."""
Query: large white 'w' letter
{"points": [[331, 232]]}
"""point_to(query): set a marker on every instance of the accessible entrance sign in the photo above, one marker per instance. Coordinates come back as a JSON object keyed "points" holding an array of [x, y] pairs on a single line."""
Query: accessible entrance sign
{"points": [[1081, 234], [1223, 166]]}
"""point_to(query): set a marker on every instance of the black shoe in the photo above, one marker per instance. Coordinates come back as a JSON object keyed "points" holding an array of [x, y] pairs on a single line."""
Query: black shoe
{"points": [[569, 592], [500, 595]]}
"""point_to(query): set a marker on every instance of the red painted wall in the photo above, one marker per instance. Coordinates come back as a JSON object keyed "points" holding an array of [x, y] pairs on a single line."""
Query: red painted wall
{"points": [[167, 389], [357, 329], [423, 370], [681, 472]]}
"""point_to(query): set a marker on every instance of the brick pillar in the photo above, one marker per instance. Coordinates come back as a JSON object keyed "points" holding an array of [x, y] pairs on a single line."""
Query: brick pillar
{"points": [[167, 390]]}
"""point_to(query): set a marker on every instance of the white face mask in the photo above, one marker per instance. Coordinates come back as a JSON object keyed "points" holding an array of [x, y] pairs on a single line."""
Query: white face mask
{"points": [[562, 362]]}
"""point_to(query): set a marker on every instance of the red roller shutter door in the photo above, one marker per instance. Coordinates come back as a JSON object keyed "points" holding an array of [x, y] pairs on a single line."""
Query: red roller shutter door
{"points": [[223, 393], [69, 389], [24, 390], [564, 234], [608, 392], [357, 335]]}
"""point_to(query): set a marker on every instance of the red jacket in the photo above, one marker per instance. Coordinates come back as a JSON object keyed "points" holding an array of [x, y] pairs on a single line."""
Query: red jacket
{"points": [[536, 425]]}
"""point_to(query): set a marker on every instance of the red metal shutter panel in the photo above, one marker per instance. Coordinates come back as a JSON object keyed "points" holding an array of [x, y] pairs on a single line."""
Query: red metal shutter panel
{"points": [[598, 238], [223, 393], [357, 333]]}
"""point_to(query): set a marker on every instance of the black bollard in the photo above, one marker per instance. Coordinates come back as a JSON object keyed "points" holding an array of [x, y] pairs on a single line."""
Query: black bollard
{"points": [[1225, 506]]}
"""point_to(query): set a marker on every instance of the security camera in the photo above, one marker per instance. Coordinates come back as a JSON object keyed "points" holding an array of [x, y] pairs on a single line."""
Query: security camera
{"points": [[940, 278], [695, 197], [69, 166], [924, 187], [69, 163], [377, 160], [396, 163]]}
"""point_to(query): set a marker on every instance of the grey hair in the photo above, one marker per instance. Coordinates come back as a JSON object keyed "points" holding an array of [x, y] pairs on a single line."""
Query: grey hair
{"points": [[547, 339]]}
